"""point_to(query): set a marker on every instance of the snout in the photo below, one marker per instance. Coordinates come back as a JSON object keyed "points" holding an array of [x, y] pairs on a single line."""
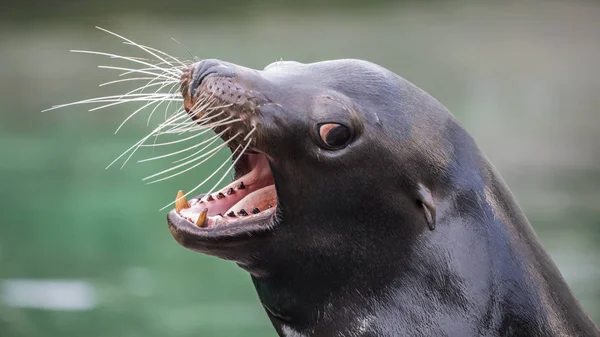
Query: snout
{"points": [[224, 97], [193, 76]]}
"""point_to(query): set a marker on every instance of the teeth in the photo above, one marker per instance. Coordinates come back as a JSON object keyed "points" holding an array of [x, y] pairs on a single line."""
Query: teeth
{"points": [[181, 201], [255, 210], [220, 214], [231, 214], [242, 212], [201, 222], [230, 191], [220, 195], [241, 186], [210, 198]]}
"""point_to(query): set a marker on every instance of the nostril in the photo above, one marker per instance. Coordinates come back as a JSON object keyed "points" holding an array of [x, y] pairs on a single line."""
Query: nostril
{"points": [[194, 75], [208, 67], [200, 71]]}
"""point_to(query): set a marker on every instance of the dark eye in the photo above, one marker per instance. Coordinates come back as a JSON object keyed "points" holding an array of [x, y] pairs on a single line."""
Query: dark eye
{"points": [[335, 136]]}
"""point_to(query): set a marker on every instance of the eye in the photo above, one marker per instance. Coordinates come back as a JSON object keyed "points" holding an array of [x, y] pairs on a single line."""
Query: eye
{"points": [[335, 136]]}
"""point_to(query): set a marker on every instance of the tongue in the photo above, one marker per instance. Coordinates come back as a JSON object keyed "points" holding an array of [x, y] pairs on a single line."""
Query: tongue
{"points": [[254, 190], [261, 199], [219, 206]]}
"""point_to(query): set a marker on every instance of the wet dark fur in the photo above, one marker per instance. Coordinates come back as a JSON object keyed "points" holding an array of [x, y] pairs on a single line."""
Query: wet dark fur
{"points": [[352, 253]]}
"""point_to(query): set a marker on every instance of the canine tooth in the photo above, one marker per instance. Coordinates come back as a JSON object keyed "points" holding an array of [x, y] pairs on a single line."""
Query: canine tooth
{"points": [[255, 210], [201, 222], [230, 191], [181, 201], [241, 186], [231, 214], [210, 198], [220, 195], [242, 212]]}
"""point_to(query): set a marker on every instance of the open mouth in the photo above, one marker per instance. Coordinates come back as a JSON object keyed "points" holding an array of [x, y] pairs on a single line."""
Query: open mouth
{"points": [[248, 203], [247, 199]]}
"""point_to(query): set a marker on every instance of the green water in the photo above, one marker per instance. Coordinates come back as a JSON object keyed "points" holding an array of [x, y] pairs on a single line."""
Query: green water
{"points": [[513, 75]]}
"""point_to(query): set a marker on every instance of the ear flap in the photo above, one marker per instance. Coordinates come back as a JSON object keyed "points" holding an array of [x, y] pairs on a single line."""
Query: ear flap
{"points": [[426, 200]]}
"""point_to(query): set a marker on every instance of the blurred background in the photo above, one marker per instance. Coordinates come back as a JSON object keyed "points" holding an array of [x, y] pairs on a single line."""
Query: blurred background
{"points": [[84, 251]]}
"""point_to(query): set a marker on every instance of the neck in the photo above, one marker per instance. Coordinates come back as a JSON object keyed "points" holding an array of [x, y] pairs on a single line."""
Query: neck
{"points": [[470, 275]]}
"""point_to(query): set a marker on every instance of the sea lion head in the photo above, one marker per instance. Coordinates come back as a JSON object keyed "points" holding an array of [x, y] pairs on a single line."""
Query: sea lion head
{"points": [[336, 156], [360, 205]]}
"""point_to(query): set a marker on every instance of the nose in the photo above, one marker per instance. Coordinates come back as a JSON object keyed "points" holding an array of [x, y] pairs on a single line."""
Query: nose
{"points": [[197, 72]]}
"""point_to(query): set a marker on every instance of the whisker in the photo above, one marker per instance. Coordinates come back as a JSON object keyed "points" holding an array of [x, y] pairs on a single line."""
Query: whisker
{"points": [[184, 126], [106, 99], [160, 52], [141, 141], [231, 167], [133, 79], [171, 91], [208, 178], [152, 84], [156, 92], [187, 157], [169, 104], [218, 107], [163, 125], [135, 44], [167, 108], [176, 141], [138, 110], [131, 59], [145, 138], [203, 127], [209, 153], [183, 139], [201, 121], [211, 125], [138, 71], [250, 133], [134, 113], [203, 104], [161, 75], [208, 109], [211, 140], [186, 48], [150, 97], [147, 69]]}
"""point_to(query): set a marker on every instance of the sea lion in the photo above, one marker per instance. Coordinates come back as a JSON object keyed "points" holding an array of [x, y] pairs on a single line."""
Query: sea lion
{"points": [[361, 207]]}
